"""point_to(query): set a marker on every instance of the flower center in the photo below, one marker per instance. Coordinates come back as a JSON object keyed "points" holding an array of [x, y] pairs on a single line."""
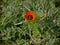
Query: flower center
{"points": [[30, 17]]}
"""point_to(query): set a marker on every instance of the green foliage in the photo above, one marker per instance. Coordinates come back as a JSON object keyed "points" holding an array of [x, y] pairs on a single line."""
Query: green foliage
{"points": [[14, 30]]}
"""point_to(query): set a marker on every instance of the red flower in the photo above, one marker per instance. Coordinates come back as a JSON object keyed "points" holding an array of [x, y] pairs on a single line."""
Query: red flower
{"points": [[30, 16], [54, 21]]}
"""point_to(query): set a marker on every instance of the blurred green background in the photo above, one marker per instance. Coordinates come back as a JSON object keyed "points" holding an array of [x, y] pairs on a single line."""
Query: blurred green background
{"points": [[14, 30]]}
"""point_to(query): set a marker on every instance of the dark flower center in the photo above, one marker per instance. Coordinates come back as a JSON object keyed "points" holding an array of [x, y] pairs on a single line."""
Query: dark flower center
{"points": [[30, 17]]}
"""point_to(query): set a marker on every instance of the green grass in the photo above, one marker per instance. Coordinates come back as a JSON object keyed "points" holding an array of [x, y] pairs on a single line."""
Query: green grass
{"points": [[14, 30]]}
